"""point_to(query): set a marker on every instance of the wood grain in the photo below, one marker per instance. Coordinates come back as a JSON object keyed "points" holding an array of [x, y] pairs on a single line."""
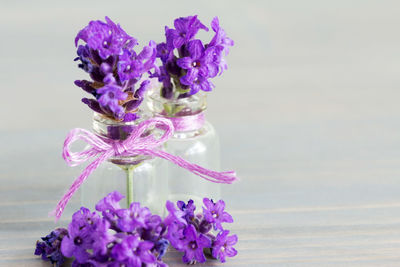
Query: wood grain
{"points": [[307, 114]]}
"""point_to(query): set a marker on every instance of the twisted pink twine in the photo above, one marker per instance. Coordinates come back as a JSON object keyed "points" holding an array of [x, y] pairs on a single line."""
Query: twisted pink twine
{"points": [[134, 144], [188, 123]]}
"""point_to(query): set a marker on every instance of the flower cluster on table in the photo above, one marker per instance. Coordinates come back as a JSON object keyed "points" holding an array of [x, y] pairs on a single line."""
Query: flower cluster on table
{"points": [[135, 237]]}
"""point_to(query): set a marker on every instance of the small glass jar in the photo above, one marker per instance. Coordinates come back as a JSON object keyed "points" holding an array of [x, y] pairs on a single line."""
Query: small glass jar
{"points": [[195, 140], [138, 177]]}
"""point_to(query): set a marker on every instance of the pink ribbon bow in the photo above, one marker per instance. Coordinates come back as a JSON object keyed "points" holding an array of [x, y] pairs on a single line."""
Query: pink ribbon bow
{"points": [[134, 144]]}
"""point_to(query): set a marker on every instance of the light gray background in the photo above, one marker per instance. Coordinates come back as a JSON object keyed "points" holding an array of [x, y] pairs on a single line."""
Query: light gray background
{"points": [[308, 114]]}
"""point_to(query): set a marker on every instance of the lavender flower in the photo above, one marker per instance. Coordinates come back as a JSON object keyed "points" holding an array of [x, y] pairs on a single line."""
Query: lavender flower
{"points": [[49, 249], [175, 215], [175, 235], [188, 209], [80, 235], [107, 38], [186, 62], [223, 246], [110, 204], [214, 213], [132, 66], [185, 29], [135, 216], [135, 237], [115, 68], [133, 252], [220, 38], [198, 64], [110, 95], [193, 245], [193, 234]]}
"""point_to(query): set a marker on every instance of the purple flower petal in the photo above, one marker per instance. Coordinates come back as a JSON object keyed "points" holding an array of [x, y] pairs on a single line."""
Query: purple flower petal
{"points": [[185, 63], [196, 49], [189, 77]]}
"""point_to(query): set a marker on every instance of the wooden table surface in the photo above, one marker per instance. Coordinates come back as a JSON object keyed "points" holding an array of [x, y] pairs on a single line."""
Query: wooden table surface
{"points": [[308, 115]]}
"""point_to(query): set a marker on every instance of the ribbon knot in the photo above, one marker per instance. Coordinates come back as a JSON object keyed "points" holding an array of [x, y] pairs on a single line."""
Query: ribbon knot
{"points": [[141, 142], [119, 148]]}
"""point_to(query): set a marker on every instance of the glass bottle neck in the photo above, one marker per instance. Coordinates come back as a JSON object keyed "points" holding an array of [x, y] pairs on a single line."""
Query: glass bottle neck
{"points": [[187, 114], [118, 131]]}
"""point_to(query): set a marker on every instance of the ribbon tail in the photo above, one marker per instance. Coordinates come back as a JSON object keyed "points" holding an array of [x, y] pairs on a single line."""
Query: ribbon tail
{"points": [[227, 177], [76, 184]]}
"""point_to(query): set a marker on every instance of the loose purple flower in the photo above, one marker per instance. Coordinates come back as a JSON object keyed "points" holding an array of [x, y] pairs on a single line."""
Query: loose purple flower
{"points": [[135, 237], [110, 203], [133, 217], [193, 245], [79, 239], [49, 249], [188, 209], [223, 246], [133, 252], [175, 215], [175, 234], [214, 213]]}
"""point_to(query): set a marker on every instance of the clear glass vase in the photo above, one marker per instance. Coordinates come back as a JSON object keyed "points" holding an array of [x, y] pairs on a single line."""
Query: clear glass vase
{"points": [[140, 178], [195, 140]]}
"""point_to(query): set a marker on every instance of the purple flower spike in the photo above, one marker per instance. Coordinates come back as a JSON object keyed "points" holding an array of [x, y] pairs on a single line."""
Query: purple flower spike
{"points": [[130, 117], [163, 52], [199, 66], [132, 66], [193, 245], [83, 55], [223, 246], [214, 213], [109, 57], [220, 38], [201, 83], [185, 29], [93, 105], [110, 95], [107, 38], [187, 63], [86, 86]]}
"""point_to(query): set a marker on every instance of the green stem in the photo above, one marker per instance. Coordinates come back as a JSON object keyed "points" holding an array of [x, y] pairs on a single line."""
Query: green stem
{"points": [[129, 184]]}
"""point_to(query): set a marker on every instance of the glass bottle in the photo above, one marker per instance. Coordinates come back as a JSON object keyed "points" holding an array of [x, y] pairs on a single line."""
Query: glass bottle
{"points": [[195, 140], [138, 177]]}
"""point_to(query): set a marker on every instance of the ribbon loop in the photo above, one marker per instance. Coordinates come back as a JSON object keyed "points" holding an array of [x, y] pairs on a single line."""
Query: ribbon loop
{"points": [[141, 141], [96, 146]]}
